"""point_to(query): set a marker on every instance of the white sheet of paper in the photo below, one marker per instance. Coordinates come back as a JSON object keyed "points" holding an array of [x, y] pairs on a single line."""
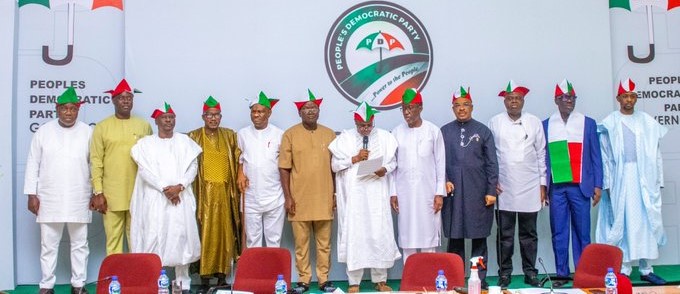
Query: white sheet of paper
{"points": [[368, 167]]}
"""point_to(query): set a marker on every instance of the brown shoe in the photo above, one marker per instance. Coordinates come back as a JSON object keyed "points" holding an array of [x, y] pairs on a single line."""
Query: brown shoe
{"points": [[382, 287], [79, 290], [46, 291], [353, 289]]}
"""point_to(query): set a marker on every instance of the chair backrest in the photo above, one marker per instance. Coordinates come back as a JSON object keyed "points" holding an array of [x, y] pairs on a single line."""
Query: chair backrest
{"points": [[623, 286], [137, 272], [257, 269], [592, 267], [421, 269]]}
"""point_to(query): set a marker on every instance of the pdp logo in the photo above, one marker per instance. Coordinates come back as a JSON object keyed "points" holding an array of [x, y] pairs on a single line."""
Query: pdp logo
{"points": [[376, 50]]}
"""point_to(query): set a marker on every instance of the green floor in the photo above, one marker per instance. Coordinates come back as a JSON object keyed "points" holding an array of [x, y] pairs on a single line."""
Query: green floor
{"points": [[669, 272]]}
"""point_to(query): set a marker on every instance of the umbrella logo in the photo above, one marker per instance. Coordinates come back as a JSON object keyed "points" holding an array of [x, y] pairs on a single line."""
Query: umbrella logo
{"points": [[71, 11], [380, 41], [631, 5], [375, 51]]}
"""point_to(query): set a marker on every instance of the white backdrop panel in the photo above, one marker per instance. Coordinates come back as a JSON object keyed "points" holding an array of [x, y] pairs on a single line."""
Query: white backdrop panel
{"points": [[232, 50]]}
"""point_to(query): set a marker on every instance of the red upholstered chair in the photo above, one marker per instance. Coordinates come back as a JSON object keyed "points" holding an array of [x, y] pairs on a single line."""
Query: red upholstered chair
{"points": [[258, 268], [592, 267], [137, 273], [624, 285], [421, 269]]}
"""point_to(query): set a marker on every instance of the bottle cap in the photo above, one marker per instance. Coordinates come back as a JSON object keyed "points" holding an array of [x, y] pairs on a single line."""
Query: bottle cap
{"points": [[610, 270], [280, 277], [440, 272], [162, 272], [114, 278]]}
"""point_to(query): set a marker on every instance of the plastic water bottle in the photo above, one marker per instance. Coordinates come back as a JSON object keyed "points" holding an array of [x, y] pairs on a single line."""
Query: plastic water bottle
{"points": [[610, 281], [163, 283], [114, 286], [440, 283], [280, 287]]}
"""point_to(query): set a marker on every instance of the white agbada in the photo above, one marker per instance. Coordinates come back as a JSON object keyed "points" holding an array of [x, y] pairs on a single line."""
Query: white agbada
{"points": [[260, 159], [420, 175], [630, 214], [365, 229], [520, 147], [158, 226], [58, 171]]}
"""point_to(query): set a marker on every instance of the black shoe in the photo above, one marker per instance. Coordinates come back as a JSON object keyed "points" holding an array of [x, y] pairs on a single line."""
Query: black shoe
{"points": [[300, 287], [327, 287], [532, 280], [653, 278], [559, 283], [203, 289], [79, 290], [46, 291], [503, 282], [186, 291], [485, 285]]}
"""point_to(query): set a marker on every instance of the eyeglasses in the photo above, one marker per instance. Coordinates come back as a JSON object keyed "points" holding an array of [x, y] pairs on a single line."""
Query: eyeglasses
{"points": [[409, 108], [364, 127], [212, 115], [566, 98]]}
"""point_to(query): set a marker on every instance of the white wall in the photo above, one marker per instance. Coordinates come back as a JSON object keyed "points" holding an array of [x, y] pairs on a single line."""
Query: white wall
{"points": [[7, 50]]}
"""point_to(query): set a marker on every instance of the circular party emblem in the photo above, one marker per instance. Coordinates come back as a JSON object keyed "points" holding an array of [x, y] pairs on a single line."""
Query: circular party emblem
{"points": [[375, 50]]}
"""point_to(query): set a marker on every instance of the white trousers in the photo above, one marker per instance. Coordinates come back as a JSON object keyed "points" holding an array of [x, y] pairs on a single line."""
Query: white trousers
{"points": [[50, 237], [410, 251], [377, 275], [645, 268], [268, 224], [182, 275]]}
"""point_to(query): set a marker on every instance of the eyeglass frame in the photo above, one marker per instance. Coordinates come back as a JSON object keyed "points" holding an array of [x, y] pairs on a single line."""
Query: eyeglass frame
{"points": [[565, 97]]}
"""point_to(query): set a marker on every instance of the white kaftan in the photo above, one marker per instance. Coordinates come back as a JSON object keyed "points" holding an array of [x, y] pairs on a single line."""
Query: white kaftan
{"points": [[630, 215], [58, 171], [420, 175], [158, 226], [520, 147], [365, 229], [260, 159]]}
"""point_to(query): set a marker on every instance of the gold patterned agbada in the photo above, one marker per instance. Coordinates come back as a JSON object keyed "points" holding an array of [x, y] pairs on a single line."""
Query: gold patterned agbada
{"points": [[217, 200]]}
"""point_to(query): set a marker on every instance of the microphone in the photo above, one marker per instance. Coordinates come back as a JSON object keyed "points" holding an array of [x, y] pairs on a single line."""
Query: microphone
{"points": [[552, 290], [94, 282], [366, 142]]}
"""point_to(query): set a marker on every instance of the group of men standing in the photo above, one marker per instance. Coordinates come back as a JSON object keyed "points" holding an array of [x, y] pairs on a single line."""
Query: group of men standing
{"points": [[171, 194], [181, 196]]}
